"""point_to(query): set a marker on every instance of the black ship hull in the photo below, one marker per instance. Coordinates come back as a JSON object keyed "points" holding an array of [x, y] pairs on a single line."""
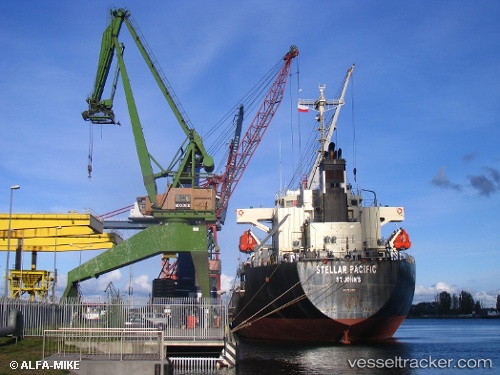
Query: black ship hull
{"points": [[324, 300]]}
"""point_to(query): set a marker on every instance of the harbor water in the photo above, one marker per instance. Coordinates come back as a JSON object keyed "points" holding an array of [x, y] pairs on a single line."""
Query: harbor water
{"points": [[420, 346]]}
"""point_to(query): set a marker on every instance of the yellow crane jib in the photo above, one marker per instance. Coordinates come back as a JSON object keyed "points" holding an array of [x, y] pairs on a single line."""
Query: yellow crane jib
{"points": [[71, 232]]}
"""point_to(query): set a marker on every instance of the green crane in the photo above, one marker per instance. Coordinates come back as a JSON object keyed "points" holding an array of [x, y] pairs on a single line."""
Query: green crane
{"points": [[190, 157], [183, 212]]}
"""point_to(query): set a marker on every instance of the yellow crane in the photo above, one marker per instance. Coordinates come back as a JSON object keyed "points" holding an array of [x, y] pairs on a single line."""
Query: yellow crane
{"points": [[47, 233]]}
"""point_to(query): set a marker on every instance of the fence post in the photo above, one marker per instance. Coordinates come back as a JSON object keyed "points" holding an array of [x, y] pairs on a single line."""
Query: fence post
{"points": [[121, 346]]}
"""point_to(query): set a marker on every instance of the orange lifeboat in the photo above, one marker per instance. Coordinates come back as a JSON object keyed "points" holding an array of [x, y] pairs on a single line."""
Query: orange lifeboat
{"points": [[402, 240], [247, 242]]}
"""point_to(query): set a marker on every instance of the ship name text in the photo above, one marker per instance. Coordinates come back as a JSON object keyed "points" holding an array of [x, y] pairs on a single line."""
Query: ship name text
{"points": [[344, 269]]}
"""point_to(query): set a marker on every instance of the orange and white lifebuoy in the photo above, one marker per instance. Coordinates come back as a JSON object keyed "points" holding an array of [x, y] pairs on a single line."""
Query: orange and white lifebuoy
{"points": [[399, 210], [240, 212]]}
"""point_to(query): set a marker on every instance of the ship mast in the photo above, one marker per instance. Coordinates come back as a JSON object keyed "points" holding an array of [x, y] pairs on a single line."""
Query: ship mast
{"points": [[322, 105]]}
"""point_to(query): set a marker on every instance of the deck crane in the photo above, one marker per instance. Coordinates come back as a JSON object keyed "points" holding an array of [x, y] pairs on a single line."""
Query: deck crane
{"points": [[187, 209]]}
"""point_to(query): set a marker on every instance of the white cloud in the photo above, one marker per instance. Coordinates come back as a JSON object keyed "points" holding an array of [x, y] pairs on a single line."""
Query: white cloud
{"points": [[142, 284], [97, 287], [226, 282], [428, 293], [487, 299]]}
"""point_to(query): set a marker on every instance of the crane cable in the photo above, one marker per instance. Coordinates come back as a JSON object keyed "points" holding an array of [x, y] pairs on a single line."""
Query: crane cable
{"points": [[91, 149], [354, 171], [298, 115], [250, 101], [292, 109]]}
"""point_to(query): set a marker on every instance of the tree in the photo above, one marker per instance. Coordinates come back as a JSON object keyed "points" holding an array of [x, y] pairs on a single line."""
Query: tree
{"points": [[466, 302], [498, 303], [478, 307], [443, 301], [454, 304], [423, 309]]}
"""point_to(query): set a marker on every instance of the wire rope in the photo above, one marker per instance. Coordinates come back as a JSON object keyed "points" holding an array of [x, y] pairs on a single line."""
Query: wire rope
{"points": [[249, 320], [222, 131]]}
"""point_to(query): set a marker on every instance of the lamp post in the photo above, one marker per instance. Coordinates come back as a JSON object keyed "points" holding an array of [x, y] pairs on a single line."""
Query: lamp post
{"points": [[54, 283], [12, 188]]}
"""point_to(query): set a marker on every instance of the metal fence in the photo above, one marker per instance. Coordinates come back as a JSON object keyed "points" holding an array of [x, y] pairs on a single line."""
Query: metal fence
{"points": [[178, 318], [188, 365], [104, 344]]}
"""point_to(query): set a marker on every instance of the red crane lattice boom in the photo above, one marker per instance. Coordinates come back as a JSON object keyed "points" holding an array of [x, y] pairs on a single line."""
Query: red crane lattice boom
{"points": [[226, 184]]}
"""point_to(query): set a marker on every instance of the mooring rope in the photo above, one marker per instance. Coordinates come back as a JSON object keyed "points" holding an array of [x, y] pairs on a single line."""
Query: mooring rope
{"points": [[249, 320], [255, 295]]}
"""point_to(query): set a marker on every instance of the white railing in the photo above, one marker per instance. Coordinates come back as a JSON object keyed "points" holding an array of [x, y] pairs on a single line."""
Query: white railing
{"points": [[188, 365], [104, 344], [179, 318]]}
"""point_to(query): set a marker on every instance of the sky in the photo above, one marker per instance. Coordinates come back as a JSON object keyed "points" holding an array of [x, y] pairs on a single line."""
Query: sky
{"points": [[423, 104]]}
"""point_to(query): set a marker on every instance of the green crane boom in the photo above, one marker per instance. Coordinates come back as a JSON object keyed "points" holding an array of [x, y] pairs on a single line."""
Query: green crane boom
{"points": [[187, 209], [188, 159], [184, 210]]}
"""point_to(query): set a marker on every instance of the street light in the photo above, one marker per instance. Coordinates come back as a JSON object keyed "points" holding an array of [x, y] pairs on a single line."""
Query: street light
{"points": [[54, 284], [12, 188]]}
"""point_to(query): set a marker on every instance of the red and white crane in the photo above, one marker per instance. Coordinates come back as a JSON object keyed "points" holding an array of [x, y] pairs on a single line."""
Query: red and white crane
{"points": [[226, 183]]}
